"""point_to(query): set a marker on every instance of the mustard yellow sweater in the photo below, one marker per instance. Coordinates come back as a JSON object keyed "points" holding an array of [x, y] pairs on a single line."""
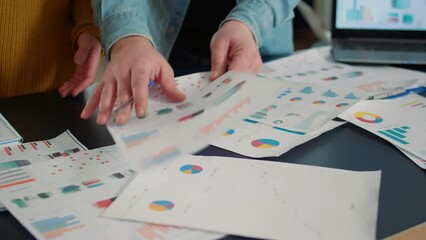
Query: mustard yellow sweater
{"points": [[37, 43]]}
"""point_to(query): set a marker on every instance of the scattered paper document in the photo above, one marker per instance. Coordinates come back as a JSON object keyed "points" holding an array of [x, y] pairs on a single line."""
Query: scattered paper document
{"points": [[12, 157], [39, 151], [261, 199], [8, 134], [303, 108], [207, 112], [67, 196], [401, 121], [311, 67], [254, 139], [419, 161]]}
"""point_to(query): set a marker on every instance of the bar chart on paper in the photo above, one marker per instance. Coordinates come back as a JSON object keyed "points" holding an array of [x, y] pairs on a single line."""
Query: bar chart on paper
{"points": [[57, 226], [396, 134], [401, 121]]}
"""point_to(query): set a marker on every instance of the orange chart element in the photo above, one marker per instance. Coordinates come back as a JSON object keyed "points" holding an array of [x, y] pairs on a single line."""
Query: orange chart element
{"points": [[368, 117]]}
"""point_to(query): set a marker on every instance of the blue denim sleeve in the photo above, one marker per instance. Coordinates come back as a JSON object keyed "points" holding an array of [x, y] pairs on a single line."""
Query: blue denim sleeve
{"points": [[117, 19], [264, 16]]}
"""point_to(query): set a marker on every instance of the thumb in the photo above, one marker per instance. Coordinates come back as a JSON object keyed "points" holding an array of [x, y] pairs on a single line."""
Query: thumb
{"points": [[82, 53]]}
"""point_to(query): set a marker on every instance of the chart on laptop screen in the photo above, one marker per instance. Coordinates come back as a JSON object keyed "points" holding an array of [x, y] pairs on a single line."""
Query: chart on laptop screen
{"points": [[381, 14]]}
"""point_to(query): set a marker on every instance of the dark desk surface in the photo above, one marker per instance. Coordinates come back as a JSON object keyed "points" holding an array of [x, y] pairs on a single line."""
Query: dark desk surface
{"points": [[402, 193]]}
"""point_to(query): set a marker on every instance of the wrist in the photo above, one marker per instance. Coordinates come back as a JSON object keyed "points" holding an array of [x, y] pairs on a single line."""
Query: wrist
{"points": [[129, 41]]}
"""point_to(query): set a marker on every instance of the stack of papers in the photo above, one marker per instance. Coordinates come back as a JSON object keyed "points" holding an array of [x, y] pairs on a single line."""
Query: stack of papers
{"points": [[13, 157], [401, 121], [252, 198], [148, 186], [8, 134]]}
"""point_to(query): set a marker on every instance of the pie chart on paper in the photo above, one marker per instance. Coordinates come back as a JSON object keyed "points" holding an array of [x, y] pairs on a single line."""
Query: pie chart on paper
{"points": [[265, 143], [191, 169], [161, 205]]}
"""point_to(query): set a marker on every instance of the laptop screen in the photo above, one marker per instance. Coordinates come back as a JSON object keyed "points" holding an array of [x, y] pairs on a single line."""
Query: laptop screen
{"points": [[376, 15]]}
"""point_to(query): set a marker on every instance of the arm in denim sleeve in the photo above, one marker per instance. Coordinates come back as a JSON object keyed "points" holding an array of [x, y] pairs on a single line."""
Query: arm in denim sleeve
{"points": [[262, 16], [117, 19]]}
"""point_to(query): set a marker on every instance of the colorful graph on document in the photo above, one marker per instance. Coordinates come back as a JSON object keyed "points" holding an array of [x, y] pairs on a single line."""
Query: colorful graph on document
{"points": [[154, 231], [191, 169], [229, 132], [57, 226], [14, 177], [397, 134], [161, 205], [265, 143], [368, 117]]}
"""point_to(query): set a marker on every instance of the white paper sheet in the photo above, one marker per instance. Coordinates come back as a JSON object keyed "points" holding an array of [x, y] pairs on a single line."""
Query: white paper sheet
{"points": [[305, 108], [254, 139], [310, 67], [254, 198], [35, 152], [401, 121], [207, 112], [419, 161], [66, 198]]}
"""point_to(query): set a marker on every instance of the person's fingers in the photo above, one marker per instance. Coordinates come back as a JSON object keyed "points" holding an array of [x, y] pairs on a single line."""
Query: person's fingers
{"points": [[64, 89], [219, 57], [93, 102], [82, 52], [90, 68], [106, 103], [139, 84], [124, 94], [167, 83]]}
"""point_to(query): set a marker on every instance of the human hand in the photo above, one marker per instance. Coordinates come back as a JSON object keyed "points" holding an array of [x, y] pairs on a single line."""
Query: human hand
{"points": [[134, 62], [86, 60], [234, 47]]}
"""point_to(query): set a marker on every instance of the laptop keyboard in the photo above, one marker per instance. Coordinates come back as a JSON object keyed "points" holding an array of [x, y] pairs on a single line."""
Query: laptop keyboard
{"points": [[384, 46]]}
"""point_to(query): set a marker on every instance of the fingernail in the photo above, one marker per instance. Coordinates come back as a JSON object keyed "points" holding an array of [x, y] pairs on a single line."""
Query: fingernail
{"points": [[141, 113]]}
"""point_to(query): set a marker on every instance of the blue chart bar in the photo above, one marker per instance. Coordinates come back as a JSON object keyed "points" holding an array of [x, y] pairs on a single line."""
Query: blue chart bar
{"points": [[361, 13], [401, 4], [58, 226], [396, 134], [289, 131]]}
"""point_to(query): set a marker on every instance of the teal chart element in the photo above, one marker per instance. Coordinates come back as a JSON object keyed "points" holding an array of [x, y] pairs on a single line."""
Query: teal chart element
{"points": [[351, 96], [285, 93], [401, 4], [70, 189], [13, 164], [397, 134], [330, 93], [229, 132], [307, 90], [305, 124], [263, 114], [296, 99], [353, 74]]}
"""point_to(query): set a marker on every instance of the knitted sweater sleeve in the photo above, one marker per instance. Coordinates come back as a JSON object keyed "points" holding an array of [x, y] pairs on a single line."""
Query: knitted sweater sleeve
{"points": [[83, 21]]}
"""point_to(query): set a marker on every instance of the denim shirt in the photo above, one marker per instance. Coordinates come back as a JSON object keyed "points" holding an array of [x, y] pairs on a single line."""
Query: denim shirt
{"points": [[160, 21]]}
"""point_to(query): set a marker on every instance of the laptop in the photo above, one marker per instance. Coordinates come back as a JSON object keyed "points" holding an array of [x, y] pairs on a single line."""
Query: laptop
{"points": [[379, 31]]}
